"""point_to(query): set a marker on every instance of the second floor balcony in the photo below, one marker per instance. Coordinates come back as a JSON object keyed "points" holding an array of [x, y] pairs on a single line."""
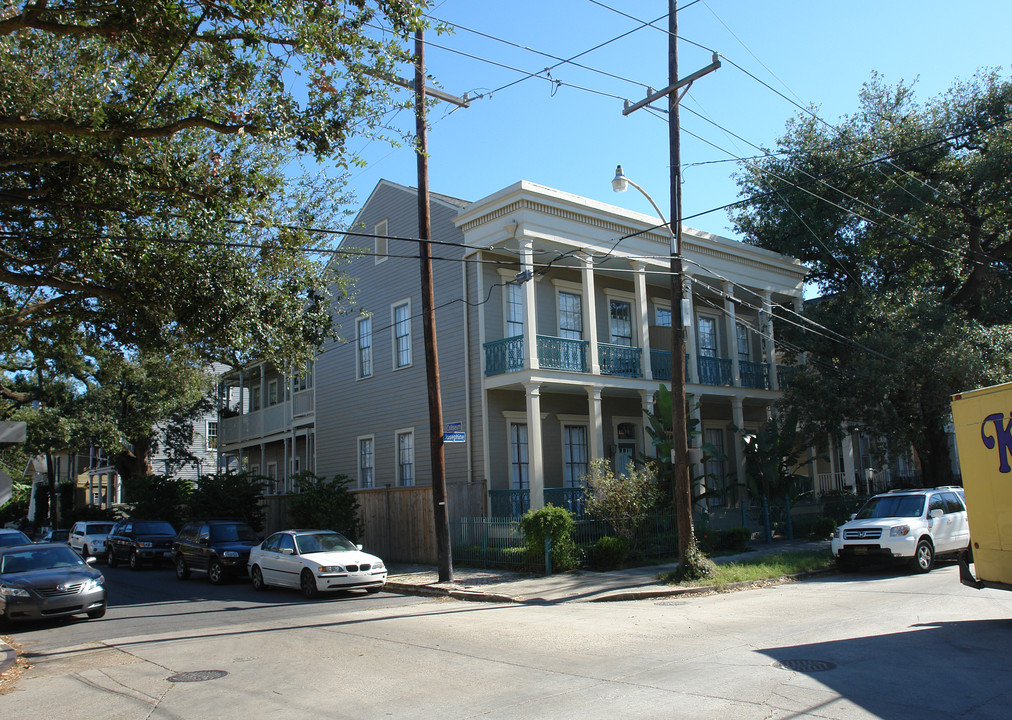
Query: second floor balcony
{"points": [[554, 353]]}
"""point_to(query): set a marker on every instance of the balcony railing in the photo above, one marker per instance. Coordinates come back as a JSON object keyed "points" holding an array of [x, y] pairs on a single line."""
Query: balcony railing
{"points": [[555, 353], [714, 371], [754, 374], [504, 356], [514, 503], [620, 360]]}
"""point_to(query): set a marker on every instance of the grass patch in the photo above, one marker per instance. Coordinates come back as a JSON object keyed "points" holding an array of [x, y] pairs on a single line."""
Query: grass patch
{"points": [[767, 567]]}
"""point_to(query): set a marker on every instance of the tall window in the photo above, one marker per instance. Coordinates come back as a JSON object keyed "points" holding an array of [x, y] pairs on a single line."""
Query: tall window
{"points": [[272, 393], [662, 316], [743, 344], [620, 313], [575, 467], [707, 336], [405, 458], [364, 347], [714, 468], [366, 461], [519, 477], [514, 310], [402, 335], [381, 232], [254, 398], [570, 316], [211, 437]]}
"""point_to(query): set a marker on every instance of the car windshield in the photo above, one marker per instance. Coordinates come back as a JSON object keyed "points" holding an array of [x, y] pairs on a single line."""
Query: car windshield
{"points": [[98, 529], [153, 528], [322, 542], [892, 506], [40, 559], [13, 538], [234, 532]]}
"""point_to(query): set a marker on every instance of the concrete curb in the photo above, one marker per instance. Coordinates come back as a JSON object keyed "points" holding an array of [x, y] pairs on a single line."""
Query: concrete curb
{"points": [[8, 657], [429, 591]]}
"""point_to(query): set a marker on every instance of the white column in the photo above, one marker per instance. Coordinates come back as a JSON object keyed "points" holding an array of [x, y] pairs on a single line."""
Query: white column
{"points": [[731, 324], [590, 313], [642, 316], [799, 305], [530, 316], [647, 406], [691, 368], [535, 463], [771, 356], [849, 478], [738, 420], [596, 418]]}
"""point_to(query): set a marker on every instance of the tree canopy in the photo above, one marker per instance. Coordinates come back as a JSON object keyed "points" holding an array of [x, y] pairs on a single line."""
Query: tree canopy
{"points": [[160, 182], [902, 212]]}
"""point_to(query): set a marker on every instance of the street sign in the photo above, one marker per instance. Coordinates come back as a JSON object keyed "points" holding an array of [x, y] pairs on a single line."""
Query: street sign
{"points": [[450, 437], [6, 487], [454, 427]]}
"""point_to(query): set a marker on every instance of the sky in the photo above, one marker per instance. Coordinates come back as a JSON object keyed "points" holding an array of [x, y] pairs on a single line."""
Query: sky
{"points": [[564, 128]]}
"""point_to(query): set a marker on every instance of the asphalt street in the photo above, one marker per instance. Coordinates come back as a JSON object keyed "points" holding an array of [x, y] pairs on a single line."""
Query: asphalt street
{"points": [[877, 644]]}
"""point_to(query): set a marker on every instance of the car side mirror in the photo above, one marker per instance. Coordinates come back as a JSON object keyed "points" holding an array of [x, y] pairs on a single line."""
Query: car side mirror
{"points": [[853, 515], [91, 559], [287, 551], [359, 547], [203, 541], [936, 513]]}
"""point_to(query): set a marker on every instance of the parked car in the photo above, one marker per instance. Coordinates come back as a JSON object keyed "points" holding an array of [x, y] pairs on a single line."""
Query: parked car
{"points": [[10, 536], [314, 561], [139, 541], [88, 537], [915, 526], [51, 536], [218, 547], [45, 581]]}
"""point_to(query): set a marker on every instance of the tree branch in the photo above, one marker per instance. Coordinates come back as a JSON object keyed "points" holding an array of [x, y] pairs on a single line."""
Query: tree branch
{"points": [[58, 283], [63, 127]]}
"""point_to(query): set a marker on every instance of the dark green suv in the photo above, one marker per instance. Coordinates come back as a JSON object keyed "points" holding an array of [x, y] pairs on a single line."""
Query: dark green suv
{"points": [[218, 547]]}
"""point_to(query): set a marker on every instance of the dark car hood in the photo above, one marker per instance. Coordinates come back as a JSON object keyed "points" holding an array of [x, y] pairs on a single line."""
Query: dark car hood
{"points": [[49, 577], [152, 538], [237, 546]]}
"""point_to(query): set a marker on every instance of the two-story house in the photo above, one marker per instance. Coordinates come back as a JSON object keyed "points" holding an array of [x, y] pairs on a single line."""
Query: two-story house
{"points": [[553, 320]]}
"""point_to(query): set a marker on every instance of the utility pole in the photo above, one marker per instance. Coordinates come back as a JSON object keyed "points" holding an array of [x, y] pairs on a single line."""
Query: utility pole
{"points": [[679, 429]]}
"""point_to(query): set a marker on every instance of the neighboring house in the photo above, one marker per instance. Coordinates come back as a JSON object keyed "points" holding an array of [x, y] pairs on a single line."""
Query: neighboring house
{"points": [[553, 320]]}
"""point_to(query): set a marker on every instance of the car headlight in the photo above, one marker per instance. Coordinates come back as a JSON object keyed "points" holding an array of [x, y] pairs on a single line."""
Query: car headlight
{"points": [[144, 544], [93, 584], [378, 565], [899, 531], [836, 532], [7, 591], [230, 554], [329, 569]]}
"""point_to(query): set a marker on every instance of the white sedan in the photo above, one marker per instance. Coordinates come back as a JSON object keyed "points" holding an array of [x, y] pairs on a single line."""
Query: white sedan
{"points": [[314, 561]]}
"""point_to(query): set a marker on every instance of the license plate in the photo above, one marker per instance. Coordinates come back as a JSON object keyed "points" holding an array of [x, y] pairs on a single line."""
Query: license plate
{"points": [[860, 550]]}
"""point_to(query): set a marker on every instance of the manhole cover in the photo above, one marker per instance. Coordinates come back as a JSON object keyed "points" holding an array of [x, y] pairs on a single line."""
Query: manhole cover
{"points": [[198, 676], [805, 666]]}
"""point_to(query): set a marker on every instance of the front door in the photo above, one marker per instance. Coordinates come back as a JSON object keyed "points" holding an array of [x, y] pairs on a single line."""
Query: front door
{"points": [[625, 447]]}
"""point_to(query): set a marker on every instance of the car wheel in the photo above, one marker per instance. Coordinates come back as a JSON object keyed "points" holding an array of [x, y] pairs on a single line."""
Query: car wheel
{"points": [[258, 579], [924, 557], [308, 584], [182, 572], [135, 560], [110, 558], [96, 613], [373, 590], [84, 552], [215, 572]]}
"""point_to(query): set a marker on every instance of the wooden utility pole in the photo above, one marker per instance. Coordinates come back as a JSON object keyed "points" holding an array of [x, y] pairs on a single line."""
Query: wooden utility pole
{"points": [[440, 512], [679, 429]]}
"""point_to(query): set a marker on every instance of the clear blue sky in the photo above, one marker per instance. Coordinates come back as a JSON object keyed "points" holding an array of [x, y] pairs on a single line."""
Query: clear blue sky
{"points": [[815, 52]]}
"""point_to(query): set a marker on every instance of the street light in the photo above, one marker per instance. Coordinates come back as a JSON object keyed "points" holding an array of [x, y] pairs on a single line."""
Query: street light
{"points": [[679, 429]]}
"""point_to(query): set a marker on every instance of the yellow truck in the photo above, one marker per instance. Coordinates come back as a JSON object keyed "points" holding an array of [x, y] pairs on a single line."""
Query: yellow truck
{"points": [[983, 421]]}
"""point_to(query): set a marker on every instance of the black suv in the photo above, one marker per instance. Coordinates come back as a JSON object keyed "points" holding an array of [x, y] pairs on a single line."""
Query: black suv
{"points": [[139, 541], [218, 547]]}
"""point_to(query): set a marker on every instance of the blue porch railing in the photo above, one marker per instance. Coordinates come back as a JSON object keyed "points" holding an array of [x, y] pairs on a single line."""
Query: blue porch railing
{"points": [[504, 356], [555, 353], [785, 376], [620, 360], [714, 371], [570, 498], [514, 503], [754, 374]]}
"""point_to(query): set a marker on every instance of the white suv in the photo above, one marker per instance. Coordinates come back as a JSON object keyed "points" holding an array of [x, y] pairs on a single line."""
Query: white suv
{"points": [[912, 525], [88, 536]]}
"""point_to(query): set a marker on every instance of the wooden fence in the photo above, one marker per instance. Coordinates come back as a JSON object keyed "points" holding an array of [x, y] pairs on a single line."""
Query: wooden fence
{"points": [[398, 520]]}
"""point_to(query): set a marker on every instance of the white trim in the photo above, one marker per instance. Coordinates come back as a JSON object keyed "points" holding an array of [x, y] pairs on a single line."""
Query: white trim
{"points": [[358, 459], [393, 334], [397, 457], [629, 298], [563, 286], [381, 246]]}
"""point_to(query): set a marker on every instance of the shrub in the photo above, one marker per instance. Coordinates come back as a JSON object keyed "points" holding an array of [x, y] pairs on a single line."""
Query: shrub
{"points": [[229, 494], [735, 538], [325, 504], [157, 497], [621, 500], [823, 527], [609, 553], [555, 523]]}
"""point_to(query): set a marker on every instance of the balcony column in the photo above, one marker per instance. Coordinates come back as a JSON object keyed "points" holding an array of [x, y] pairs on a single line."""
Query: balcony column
{"points": [[738, 420], [849, 468], [535, 464], [799, 305], [771, 355], [732, 333], [530, 314], [590, 312], [596, 418], [687, 316], [642, 317]]}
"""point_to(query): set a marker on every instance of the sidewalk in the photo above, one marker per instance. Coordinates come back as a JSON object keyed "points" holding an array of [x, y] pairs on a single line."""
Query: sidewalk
{"points": [[574, 586]]}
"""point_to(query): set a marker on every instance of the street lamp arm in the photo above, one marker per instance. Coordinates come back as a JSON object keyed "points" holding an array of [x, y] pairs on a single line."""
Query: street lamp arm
{"points": [[619, 183]]}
